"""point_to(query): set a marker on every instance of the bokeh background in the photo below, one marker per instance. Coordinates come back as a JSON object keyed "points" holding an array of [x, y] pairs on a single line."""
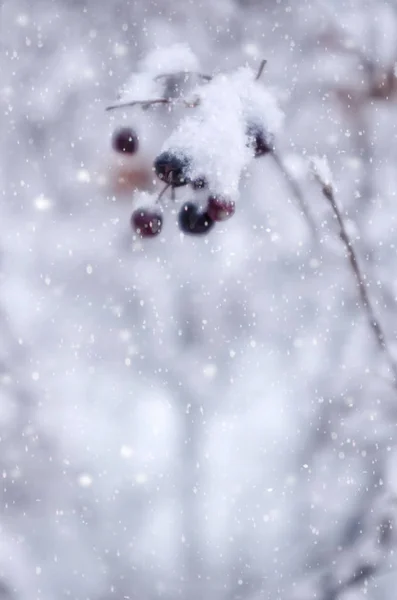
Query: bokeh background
{"points": [[195, 418]]}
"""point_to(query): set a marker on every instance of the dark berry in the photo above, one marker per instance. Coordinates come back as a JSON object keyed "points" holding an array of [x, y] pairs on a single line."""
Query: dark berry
{"points": [[191, 220], [125, 140], [199, 184], [172, 168], [260, 141], [147, 223], [220, 208]]}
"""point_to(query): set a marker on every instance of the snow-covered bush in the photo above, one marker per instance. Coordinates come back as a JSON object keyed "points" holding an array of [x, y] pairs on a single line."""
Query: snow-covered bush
{"points": [[195, 416]]}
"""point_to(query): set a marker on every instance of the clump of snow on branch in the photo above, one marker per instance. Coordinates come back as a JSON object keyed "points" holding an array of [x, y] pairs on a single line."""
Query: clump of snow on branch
{"points": [[144, 85], [214, 135], [259, 103]]}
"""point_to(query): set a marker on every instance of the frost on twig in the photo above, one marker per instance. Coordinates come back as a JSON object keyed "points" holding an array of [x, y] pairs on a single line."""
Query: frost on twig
{"points": [[321, 172]]}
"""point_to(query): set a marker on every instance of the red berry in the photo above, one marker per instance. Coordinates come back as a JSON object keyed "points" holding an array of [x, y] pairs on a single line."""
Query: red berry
{"points": [[220, 208], [147, 223], [125, 140]]}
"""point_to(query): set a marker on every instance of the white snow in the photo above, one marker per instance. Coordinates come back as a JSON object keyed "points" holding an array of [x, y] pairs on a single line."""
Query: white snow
{"points": [[259, 103], [144, 200], [140, 86], [42, 203], [172, 59], [162, 389], [143, 85], [213, 134]]}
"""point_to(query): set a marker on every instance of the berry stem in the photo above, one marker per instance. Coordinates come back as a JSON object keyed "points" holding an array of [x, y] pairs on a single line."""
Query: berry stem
{"points": [[161, 194], [374, 323]]}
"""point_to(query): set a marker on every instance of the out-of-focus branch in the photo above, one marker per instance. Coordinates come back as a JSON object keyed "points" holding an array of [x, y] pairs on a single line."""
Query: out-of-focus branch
{"points": [[358, 561], [261, 69], [298, 195], [375, 325], [328, 192], [366, 567]]}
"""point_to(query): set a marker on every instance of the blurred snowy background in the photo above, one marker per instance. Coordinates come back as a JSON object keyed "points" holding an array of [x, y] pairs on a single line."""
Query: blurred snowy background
{"points": [[195, 417]]}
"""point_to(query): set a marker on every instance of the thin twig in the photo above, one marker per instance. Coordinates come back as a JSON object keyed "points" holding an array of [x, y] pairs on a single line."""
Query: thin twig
{"points": [[260, 70], [144, 103], [297, 192], [148, 103], [376, 327], [181, 73]]}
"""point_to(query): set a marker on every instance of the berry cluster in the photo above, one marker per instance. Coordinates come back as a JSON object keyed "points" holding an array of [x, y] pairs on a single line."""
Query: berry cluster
{"points": [[175, 169]]}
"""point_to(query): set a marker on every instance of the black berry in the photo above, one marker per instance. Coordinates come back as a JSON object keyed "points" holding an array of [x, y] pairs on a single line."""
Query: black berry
{"points": [[199, 184], [125, 140], [172, 168], [259, 140], [147, 223], [220, 208], [192, 221]]}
